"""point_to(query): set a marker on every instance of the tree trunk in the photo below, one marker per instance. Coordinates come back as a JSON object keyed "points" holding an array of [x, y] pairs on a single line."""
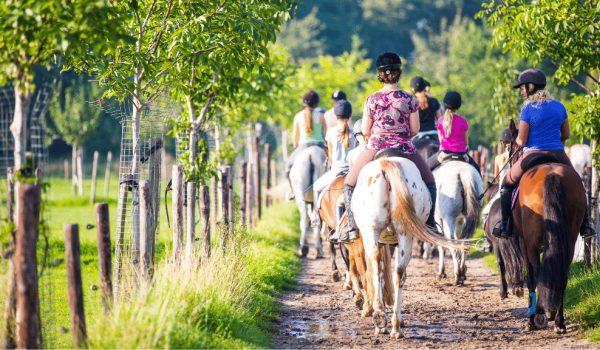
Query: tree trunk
{"points": [[18, 127], [80, 170], [74, 169], [595, 215]]}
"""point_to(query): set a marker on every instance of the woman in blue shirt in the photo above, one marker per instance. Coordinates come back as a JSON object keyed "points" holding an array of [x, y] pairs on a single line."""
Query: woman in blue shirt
{"points": [[543, 127]]}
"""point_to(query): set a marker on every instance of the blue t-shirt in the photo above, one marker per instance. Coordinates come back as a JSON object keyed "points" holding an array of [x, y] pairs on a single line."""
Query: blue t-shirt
{"points": [[545, 120]]}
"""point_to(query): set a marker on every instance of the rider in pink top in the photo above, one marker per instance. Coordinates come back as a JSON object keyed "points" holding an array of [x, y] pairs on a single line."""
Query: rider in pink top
{"points": [[456, 142]]}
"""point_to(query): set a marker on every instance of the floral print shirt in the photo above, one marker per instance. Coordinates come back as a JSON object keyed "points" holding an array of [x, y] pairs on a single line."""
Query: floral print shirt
{"points": [[390, 111]]}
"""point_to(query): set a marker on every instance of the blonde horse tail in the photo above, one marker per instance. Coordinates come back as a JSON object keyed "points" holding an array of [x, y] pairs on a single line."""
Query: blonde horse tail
{"points": [[472, 202], [388, 273], [404, 212]]}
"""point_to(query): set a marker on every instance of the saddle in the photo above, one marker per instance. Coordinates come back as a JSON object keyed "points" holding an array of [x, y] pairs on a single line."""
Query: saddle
{"points": [[452, 157], [389, 152]]}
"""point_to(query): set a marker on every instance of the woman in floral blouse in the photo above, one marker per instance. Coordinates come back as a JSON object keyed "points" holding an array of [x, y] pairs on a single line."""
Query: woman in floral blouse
{"points": [[390, 119]]}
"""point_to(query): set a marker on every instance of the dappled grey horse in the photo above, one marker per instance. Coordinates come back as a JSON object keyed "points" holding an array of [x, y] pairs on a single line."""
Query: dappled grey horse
{"points": [[308, 167]]}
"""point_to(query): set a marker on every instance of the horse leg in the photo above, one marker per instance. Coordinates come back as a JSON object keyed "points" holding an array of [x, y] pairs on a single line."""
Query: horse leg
{"points": [[442, 265], [353, 284], [559, 320], [347, 256], [317, 231], [361, 264], [304, 221], [448, 226], [370, 240], [463, 255], [502, 270], [403, 255], [531, 285]]}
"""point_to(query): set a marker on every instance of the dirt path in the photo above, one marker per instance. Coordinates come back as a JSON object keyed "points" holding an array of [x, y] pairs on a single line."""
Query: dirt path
{"points": [[437, 314]]}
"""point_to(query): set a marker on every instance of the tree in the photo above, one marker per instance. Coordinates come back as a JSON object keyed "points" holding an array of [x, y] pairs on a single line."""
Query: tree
{"points": [[75, 120], [33, 31]]}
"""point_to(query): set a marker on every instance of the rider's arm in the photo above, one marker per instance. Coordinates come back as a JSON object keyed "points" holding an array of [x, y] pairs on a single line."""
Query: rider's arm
{"points": [[523, 136], [329, 150], [295, 132], [366, 125], [413, 122], [467, 138], [565, 131]]}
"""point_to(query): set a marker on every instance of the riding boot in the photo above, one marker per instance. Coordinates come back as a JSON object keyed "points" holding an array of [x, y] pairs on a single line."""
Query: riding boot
{"points": [[289, 196], [502, 230], [431, 219], [586, 231], [335, 237], [351, 232]]}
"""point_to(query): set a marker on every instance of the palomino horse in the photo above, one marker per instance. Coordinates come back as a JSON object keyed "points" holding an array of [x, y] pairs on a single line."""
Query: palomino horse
{"points": [[307, 168], [457, 209], [509, 257], [391, 204], [356, 264], [548, 214]]}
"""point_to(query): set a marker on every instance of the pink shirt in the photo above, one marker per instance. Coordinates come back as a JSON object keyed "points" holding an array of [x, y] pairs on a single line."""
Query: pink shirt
{"points": [[456, 141]]}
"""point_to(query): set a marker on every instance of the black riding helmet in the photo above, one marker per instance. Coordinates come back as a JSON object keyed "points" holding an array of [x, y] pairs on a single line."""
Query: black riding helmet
{"points": [[418, 84], [452, 100], [531, 76], [311, 98], [342, 109], [388, 61], [505, 135], [338, 95], [357, 128]]}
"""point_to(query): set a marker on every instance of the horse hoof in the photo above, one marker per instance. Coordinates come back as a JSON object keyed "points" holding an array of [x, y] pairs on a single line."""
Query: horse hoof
{"points": [[366, 313], [336, 276], [319, 253], [442, 275], [518, 292], [540, 321], [379, 319], [396, 334], [528, 327], [359, 301], [560, 330], [503, 295], [550, 316], [347, 287], [304, 251], [379, 330]]}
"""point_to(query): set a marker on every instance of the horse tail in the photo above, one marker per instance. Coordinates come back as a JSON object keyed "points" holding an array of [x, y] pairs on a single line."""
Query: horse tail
{"points": [[404, 212], [472, 201], [555, 264], [388, 273]]}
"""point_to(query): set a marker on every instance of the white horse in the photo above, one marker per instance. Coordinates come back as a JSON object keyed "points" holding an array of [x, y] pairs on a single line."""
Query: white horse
{"points": [[581, 158], [457, 210], [307, 168], [391, 205]]}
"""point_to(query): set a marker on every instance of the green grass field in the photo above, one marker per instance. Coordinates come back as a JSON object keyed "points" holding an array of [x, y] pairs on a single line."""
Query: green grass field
{"points": [[225, 304]]}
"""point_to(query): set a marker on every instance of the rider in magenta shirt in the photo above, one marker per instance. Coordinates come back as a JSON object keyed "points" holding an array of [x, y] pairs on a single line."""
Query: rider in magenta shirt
{"points": [[456, 142]]}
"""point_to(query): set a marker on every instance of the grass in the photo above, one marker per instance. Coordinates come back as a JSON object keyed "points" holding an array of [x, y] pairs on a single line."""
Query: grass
{"points": [[582, 299], [226, 303]]}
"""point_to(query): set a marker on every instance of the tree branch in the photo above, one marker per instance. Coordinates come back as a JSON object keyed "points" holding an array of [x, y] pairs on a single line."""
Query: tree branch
{"points": [[160, 34], [217, 10], [573, 79], [137, 17], [200, 121], [32, 60], [148, 14]]}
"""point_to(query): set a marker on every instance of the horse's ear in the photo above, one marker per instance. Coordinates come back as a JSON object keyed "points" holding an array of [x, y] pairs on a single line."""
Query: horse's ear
{"points": [[512, 127]]}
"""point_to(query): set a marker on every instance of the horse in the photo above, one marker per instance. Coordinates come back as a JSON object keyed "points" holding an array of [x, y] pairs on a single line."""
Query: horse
{"points": [[509, 257], [457, 209], [307, 168], [548, 214], [353, 254], [426, 146], [581, 158], [391, 205]]}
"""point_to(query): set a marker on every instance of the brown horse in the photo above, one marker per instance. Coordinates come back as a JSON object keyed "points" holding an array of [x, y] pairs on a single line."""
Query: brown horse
{"points": [[548, 214], [357, 262]]}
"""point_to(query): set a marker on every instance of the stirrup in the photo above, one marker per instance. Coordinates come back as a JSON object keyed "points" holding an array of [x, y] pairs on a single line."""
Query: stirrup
{"points": [[498, 232], [588, 235], [345, 236]]}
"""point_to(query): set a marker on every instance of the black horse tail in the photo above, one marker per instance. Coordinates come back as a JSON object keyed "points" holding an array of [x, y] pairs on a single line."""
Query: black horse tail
{"points": [[555, 264]]}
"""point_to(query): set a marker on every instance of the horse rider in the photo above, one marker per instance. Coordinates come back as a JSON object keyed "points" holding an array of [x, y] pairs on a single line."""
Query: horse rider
{"points": [[330, 117], [307, 132], [390, 119], [361, 142], [543, 127], [429, 107], [453, 133], [502, 158], [340, 141]]}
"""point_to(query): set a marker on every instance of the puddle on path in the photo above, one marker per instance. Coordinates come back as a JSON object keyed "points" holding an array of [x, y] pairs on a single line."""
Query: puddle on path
{"points": [[318, 329]]}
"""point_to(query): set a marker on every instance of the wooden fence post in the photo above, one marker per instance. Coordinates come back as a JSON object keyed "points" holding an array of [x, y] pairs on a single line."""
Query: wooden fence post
{"points": [[273, 174], [205, 211], [28, 302], [73, 265], [104, 255], [10, 305], [230, 199], [94, 170], [249, 194], [224, 207], [243, 169], [267, 175], [107, 174], [146, 231], [177, 198], [191, 221], [257, 182], [66, 165], [213, 203]]}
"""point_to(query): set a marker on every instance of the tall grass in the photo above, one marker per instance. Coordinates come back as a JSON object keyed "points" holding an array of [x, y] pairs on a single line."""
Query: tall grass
{"points": [[582, 298], [225, 302]]}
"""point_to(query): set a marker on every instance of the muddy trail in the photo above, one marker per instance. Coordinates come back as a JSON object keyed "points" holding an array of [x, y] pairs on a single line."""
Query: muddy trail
{"points": [[437, 314]]}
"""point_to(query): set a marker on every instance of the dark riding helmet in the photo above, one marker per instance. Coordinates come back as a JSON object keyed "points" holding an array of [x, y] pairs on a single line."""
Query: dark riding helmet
{"points": [[427, 83], [338, 95], [418, 84], [311, 98], [533, 76], [452, 100], [357, 128], [388, 61], [505, 135], [342, 109]]}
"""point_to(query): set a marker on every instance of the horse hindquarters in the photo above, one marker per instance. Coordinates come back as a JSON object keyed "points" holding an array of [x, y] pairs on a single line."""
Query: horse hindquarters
{"points": [[552, 281]]}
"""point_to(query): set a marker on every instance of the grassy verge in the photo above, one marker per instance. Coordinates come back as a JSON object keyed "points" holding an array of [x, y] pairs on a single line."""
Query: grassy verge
{"points": [[224, 304], [582, 299]]}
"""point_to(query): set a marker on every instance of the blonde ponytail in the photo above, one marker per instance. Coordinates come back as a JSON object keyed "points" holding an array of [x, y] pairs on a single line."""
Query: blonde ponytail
{"points": [[447, 122], [308, 120], [344, 135]]}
